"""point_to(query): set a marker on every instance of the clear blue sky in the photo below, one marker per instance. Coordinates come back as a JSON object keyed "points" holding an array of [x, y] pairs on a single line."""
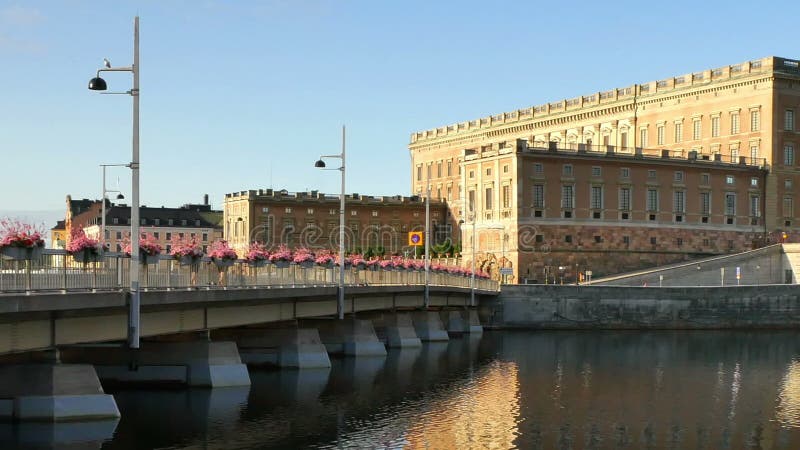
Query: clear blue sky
{"points": [[241, 95]]}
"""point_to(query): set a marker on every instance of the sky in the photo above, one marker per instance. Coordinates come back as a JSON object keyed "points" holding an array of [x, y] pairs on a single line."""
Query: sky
{"points": [[239, 95]]}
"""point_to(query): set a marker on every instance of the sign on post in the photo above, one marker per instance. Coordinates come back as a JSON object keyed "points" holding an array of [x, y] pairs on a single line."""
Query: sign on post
{"points": [[416, 238]]}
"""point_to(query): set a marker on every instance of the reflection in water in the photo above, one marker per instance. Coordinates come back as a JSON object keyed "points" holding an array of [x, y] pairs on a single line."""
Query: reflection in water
{"points": [[787, 413], [525, 390], [83, 435]]}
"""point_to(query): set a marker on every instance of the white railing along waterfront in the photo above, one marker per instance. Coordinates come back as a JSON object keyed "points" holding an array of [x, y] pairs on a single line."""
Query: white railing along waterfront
{"points": [[55, 270]]}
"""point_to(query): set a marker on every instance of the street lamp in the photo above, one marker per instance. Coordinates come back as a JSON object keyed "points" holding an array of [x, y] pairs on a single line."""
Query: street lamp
{"points": [[320, 164], [99, 84], [105, 191], [472, 276]]}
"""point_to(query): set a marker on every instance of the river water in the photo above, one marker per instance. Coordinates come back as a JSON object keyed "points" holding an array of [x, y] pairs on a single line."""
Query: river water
{"points": [[506, 389]]}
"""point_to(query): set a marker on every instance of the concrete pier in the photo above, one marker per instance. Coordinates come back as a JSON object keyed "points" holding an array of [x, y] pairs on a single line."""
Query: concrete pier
{"points": [[429, 326], [399, 331], [350, 337], [53, 392], [192, 363], [454, 322], [298, 348]]}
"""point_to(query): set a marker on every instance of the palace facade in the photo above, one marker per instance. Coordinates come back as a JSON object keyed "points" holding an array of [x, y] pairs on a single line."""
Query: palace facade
{"points": [[653, 173]]}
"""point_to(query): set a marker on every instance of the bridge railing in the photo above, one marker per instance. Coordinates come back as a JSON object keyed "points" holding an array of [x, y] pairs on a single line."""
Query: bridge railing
{"points": [[55, 270]]}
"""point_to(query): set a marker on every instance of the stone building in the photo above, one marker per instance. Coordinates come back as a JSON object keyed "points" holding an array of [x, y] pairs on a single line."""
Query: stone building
{"points": [[693, 165], [311, 219], [190, 220]]}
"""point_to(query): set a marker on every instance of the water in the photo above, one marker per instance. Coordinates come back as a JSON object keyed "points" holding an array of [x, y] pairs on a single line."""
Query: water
{"points": [[527, 390]]}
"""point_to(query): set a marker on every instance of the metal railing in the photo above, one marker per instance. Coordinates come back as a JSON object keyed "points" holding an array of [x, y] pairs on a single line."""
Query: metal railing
{"points": [[55, 270]]}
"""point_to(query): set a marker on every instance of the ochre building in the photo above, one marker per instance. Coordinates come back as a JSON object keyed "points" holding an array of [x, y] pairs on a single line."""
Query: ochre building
{"points": [[694, 165]]}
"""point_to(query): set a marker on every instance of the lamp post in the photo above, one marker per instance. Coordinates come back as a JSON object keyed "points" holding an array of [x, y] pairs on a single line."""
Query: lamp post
{"points": [[105, 191], [99, 84], [472, 275], [321, 165]]}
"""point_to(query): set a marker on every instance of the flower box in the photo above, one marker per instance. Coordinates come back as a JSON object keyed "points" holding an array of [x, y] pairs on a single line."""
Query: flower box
{"points": [[146, 259], [281, 264], [223, 262], [258, 262], [86, 256], [21, 253], [188, 260], [306, 264]]}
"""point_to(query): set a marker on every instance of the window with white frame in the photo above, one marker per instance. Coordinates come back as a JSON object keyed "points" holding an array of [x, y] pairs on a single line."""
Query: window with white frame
{"points": [[538, 168], [643, 138], [705, 179], [679, 201], [651, 174], [755, 206], [596, 197], [730, 204], [538, 196], [788, 120], [753, 181], [567, 196], [753, 154], [715, 126], [787, 183], [652, 200], [755, 120], [625, 199], [735, 154], [696, 129], [678, 132], [729, 179], [788, 207], [679, 176], [705, 203], [596, 171], [788, 155], [625, 172], [660, 134], [567, 170], [734, 123]]}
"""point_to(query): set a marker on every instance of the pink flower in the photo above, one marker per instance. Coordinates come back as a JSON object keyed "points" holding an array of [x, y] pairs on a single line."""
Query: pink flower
{"points": [[220, 250], [257, 252], [184, 246], [78, 242], [14, 233]]}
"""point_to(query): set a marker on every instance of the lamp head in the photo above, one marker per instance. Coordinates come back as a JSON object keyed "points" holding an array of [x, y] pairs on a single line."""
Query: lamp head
{"points": [[120, 196], [97, 84], [320, 164]]}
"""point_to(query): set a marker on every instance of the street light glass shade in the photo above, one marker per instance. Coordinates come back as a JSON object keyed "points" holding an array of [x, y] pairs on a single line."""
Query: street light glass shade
{"points": [[320, 164], [97, 84]]}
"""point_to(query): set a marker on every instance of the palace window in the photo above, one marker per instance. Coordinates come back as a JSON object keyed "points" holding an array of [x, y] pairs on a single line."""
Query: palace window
{"points": [[652, 200], [755, 120], [679, 176], [678, 132], [625, 172], [567, 170], [730, 204], [660, 134], [705, 203], [487, 199], [679, 202], [538, 196], [715, 126], [734, 123], [788, 207], [597, 197], [788, 155], [625, 199], [755, 209], [567, 196], [696, 129], [596, 171], [538, 169], [788, 120], [643, 137]]}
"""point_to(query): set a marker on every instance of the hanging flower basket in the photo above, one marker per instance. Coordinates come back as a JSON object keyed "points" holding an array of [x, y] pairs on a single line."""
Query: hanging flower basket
{"points": [[306, 264], [86, 256], [223, 262], [21, 253], [281, 264]]}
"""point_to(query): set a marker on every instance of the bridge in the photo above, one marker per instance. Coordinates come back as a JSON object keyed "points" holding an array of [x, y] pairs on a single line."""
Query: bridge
{"points": [[63, 323]]}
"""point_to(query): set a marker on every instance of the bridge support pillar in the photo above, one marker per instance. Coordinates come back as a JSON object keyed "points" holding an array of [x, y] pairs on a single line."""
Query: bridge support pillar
{"points": [[462, 321], [350, 337], [298, 348], [53, 392], [429, 327], [399, 331], [193, 363]]}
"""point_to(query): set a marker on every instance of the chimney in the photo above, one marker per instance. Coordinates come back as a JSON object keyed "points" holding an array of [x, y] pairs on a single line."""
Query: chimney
{"points": [[205, 199]]}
